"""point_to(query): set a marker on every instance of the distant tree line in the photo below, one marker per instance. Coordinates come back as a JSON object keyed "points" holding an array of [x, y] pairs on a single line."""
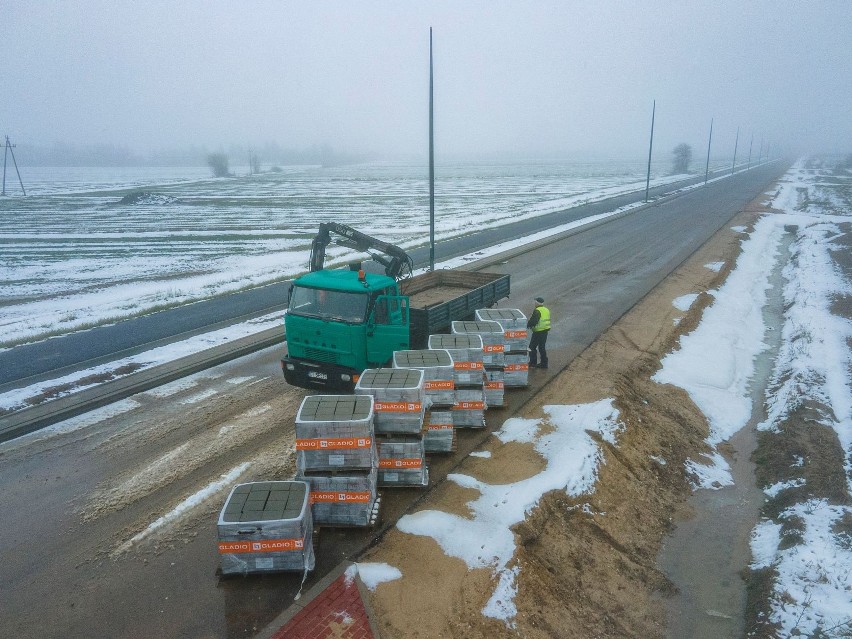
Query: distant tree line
{"points": [[64, 154]]}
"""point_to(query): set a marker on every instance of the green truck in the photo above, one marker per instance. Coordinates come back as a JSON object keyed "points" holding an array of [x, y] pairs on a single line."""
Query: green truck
{"points": [[340, 322]]}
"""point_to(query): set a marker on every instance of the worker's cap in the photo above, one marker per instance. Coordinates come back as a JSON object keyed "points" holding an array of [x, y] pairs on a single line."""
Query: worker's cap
{"points": [[539, 300]]}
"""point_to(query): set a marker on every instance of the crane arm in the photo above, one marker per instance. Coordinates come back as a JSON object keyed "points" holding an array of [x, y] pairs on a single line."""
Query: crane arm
{"points": [[395, 260]]}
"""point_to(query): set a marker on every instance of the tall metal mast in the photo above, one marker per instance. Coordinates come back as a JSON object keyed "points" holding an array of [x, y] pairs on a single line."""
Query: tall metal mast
{"points": [[431, 164]]}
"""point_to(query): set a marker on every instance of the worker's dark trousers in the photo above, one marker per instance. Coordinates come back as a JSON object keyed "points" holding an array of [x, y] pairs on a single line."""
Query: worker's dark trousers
{"points": [[537, 350]]}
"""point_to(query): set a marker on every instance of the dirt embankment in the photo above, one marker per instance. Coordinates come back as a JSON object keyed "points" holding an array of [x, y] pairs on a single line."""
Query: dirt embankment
{"points": [[587, 565]]}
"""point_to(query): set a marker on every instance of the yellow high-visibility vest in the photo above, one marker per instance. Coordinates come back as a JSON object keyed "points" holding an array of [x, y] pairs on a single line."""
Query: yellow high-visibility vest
{"points": [[543, 320]]}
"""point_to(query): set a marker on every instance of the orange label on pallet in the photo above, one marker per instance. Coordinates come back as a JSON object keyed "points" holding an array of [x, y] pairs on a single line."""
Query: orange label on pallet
{"points": [[397, 407], [515, 334], [469, 406], [493, 348], [509, 368], [261, 545], [334, 444], [439, 384], [400, 463], [468, 366], [329, 497], [495, 385], [440, 426]]}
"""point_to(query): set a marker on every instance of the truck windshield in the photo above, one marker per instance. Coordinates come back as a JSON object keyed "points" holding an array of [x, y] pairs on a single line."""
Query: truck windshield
{"points": [[330, 305]]}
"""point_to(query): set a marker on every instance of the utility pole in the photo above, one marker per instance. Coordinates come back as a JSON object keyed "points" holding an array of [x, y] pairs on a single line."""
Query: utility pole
{"points": [[6, 152], [650, 148], [736, 142], [760, 153], [431, 163], [707, 166], [750, 144]]}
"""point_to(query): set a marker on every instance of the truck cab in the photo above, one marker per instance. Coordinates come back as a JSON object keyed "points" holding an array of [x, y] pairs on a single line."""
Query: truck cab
{"points": [[339, 323]]}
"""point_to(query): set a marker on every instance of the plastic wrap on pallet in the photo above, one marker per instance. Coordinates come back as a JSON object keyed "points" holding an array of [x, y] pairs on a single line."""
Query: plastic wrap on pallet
{"points": [[438, 373], [402, 462], [466, 351], [508, 318], [399, 398], [440, 435], [517, 340], [335, 432], [266, 527], [343, 499], [469, 408], [516, 374], [493, 339], [495, 393]]}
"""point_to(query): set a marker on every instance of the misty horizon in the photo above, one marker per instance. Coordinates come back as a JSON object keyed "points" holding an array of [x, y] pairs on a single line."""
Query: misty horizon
{"points": [[519, 80]]}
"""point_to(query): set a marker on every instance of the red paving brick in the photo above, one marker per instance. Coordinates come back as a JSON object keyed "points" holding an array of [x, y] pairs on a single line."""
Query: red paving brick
{"points": [[337, 611]]}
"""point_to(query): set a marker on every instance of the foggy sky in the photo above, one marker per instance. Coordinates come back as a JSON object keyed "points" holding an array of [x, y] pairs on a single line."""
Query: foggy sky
{"points": [[521, 79]]}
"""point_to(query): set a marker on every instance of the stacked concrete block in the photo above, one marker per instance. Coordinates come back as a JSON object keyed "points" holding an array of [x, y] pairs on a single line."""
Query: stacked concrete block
{"points": [[402, 462], [495, 388], [508, 318], [335, 432], [336, 456], [466, 351], [469, 409], [492, 335], [399, 398], [440, 433], [266, 527], [344, 499], [516, 340], [438, 373], [516, 369]]}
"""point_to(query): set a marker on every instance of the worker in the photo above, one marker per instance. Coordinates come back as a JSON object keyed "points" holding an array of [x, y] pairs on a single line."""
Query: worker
{"points": [[539, 322]]}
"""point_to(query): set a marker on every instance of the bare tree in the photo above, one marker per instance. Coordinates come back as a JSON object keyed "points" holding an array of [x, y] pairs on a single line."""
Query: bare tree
{"points": [[682, 157], [218, 162]]}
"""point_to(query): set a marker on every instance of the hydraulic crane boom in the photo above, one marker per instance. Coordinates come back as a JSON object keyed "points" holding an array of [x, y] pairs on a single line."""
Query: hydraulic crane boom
{"points": [[397, 262]]}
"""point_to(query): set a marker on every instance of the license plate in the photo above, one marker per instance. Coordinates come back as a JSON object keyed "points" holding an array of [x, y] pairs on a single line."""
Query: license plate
{"points": [[317, 375]]}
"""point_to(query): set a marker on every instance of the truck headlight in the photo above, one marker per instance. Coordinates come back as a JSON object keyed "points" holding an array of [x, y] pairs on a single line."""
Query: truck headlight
{"points": [[345, 378], [291, 367]]}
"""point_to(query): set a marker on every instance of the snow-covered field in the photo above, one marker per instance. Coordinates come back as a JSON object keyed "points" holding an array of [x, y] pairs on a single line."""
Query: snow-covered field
{"points": [[75, 255]]}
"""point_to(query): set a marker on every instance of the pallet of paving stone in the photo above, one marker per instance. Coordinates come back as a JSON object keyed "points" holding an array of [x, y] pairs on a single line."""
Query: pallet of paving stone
{"points": [[495, 393], [335, 432], [440, 433], [508, 318], [469, 408], [438, 373], [516, 375], [466, 351], [492, 335], [402, 462], [266, 527], [517, 341], [343, 499], [399, 398]]}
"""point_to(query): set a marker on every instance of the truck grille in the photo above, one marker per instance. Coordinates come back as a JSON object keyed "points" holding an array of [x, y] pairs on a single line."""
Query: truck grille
{"points": [[319, 355]]}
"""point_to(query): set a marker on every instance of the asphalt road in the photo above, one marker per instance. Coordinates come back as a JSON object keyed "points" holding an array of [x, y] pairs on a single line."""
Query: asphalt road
{"points": [[29, 363], [72, 501]]}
